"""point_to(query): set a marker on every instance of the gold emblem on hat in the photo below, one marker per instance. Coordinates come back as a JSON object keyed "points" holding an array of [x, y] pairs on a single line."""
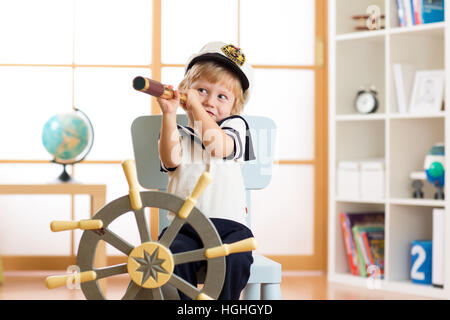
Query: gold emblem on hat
{"points": [[234, 54]]}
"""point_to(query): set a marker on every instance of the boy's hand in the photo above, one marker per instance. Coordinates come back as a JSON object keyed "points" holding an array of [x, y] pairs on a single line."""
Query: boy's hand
{"points": [[192, 100], [169, 106]]}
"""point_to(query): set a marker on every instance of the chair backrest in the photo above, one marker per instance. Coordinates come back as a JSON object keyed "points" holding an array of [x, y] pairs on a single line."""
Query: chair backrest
{"points": [[257, 173]]}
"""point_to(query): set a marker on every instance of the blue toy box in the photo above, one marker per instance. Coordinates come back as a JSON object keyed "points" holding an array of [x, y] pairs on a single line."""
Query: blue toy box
{"points": [[421, 261]]}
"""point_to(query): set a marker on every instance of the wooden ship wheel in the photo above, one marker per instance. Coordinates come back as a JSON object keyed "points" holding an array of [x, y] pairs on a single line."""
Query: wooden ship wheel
{"points": [[151, 264]]}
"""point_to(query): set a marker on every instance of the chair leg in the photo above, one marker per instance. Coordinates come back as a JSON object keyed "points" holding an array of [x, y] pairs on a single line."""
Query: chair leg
{"points": [[252, 291], [270, 291]]}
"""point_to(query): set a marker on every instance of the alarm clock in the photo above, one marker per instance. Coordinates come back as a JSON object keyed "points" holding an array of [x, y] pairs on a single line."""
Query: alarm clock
{"points": [[366, 101]]}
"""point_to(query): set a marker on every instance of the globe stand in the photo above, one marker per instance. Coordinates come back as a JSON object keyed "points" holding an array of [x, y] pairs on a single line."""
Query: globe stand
{"points": [[64, 176]]}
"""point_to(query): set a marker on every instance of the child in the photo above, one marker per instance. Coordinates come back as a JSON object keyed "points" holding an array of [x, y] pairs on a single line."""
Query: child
{"points": [[217, 83]]}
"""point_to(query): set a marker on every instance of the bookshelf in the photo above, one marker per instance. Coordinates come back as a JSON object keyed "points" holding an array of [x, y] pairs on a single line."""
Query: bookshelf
{"points": [[365, 58]]}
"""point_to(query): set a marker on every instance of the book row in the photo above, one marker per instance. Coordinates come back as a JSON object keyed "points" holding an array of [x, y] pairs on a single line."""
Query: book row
{"points": [[415, 12], [364, 240]]}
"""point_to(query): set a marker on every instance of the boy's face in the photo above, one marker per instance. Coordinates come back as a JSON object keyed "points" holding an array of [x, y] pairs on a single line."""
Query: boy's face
{"points": [[216, 98]]}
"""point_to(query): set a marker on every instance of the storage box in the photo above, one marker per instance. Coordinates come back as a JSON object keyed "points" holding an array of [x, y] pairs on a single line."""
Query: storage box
{"points": [[348, 179], [372, 179], [421, 258]]}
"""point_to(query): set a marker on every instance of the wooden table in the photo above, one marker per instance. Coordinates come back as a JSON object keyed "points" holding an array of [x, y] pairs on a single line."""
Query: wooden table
{"points": [[97, 193]]}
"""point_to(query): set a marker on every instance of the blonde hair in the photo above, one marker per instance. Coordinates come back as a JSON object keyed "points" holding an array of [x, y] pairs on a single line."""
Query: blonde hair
{"points": [[213, 72]]}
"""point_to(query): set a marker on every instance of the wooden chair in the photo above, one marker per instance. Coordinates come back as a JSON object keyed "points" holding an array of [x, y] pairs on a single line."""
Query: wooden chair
{"points": [[265, 274]]}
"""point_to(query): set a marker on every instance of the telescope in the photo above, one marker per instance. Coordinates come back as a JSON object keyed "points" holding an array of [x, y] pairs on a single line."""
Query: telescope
{"points": [[155, 88]]}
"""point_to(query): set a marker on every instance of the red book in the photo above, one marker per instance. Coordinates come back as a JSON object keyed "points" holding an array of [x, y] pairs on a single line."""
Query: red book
{"points": [[349, 244], [367, 246], [417, 11]]}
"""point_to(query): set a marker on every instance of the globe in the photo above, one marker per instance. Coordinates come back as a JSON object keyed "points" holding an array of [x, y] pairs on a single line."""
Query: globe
{"points": [[68, 137]]}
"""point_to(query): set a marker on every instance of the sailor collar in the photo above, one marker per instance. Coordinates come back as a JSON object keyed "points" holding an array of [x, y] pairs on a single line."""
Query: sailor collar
{"points": [[248, 153]]}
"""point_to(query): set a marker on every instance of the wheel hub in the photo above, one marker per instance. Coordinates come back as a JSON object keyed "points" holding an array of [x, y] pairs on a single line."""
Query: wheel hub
{"points": [[150, 265]]}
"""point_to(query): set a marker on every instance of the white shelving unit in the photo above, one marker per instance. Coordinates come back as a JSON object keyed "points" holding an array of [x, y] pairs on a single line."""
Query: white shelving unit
{"points": [[365, 58]]}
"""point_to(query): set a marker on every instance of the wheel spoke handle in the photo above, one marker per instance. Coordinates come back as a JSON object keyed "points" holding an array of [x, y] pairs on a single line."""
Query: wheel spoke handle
{"points": [[190, 201], [129, 169], [226, 249], [59, 281], [59, 225], [203, 296]]}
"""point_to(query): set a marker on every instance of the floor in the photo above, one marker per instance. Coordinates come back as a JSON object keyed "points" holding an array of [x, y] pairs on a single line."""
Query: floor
{"points": [[30, 285]]}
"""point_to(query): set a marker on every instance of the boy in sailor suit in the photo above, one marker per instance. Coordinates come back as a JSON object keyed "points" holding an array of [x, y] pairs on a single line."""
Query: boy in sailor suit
{"points": [[217, 83]]}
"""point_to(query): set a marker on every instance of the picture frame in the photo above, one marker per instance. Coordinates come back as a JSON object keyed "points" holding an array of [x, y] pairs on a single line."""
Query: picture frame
{"points": [[428, 92]]}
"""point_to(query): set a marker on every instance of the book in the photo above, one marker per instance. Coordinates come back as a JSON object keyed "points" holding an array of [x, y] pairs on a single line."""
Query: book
{"points": [[417, 13], [361, 259], [348, 221], [349, 245], [365, 242], [432, 11], [408, 12], [413, 12], [403, 81], [374, 241], [437, 268], [365, 263], [401, 13]]}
